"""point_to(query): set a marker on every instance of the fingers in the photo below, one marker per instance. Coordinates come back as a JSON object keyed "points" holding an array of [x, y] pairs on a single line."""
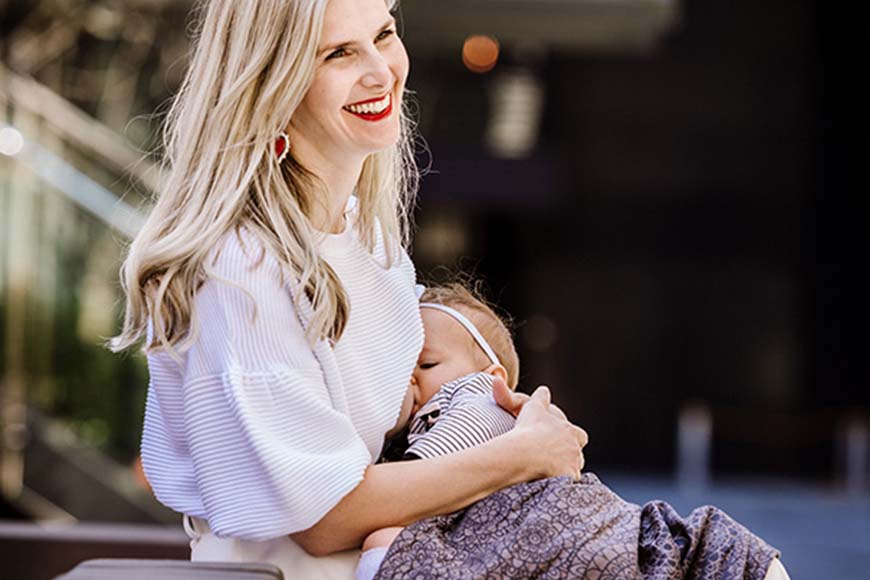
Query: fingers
{"points": [[582, 440], [504, 397], [572, 438], [553, 409], [582, 436], [557, 412], [513, 402], [542, 395], [580, 463]]}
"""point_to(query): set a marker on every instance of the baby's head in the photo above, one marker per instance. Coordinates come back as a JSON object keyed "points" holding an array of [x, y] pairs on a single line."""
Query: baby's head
{"points": [[450, 349]]}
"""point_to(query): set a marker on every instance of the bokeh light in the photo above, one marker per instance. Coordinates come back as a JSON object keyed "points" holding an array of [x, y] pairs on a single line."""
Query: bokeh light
{"points": [[11, 141], [480, 53], [541, 332]]}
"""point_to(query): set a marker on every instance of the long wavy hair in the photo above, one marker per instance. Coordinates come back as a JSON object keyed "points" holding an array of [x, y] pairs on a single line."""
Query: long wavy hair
{"points": [[252, 64]]}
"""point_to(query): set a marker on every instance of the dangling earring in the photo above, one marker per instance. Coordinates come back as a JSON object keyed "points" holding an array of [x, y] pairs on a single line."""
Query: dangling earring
{"points": [[282, 146]]}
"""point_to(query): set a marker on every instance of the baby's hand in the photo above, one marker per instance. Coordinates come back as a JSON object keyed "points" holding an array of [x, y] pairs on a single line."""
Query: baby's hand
{"points": [[381, 538]]}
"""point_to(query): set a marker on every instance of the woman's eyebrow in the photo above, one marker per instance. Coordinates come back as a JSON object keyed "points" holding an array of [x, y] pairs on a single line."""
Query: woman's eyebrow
{"points": [[391, 22]]}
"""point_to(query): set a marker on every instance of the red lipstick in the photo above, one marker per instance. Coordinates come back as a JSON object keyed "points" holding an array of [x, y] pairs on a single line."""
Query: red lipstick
{"points": [[370, 116]]}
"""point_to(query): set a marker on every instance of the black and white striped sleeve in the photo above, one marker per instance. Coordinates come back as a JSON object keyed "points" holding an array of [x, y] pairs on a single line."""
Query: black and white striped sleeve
{"points": [[471, 418]]}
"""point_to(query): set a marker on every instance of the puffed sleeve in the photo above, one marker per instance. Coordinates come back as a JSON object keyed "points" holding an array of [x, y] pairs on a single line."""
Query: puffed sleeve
{"points": [[270, 454]]}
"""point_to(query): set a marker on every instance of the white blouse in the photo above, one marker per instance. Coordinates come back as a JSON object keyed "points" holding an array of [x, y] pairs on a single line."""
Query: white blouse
{"points": [[257, 432]]}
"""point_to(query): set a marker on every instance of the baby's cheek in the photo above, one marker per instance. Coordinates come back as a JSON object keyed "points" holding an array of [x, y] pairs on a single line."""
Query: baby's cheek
{"points": [[428, 389]]}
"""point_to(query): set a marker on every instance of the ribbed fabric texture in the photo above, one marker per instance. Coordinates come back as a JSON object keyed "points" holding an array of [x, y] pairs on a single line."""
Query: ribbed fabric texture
{"points": [[246, 432], [461, 415]]}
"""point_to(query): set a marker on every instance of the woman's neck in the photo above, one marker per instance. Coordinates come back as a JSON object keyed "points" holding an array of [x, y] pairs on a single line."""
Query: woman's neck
{"points": [[340, 177]]}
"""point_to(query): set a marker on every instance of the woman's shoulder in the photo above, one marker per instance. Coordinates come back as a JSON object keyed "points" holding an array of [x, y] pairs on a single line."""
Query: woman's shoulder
{"points": [[246, 319], [241, 256]]}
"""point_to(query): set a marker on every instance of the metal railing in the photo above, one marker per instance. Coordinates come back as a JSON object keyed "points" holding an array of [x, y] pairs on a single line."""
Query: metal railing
{"points": [[53, 157]]}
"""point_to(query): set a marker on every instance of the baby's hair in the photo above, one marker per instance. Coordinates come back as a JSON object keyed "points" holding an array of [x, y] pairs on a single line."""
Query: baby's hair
{"points": [[467, 299]]}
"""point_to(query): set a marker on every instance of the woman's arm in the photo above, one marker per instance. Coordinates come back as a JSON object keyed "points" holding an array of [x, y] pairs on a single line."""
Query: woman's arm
{"points": [[445, 484]]}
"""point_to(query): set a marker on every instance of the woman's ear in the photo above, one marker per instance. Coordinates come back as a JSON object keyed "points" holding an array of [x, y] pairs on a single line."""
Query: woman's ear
{"points": [[497, 370]]}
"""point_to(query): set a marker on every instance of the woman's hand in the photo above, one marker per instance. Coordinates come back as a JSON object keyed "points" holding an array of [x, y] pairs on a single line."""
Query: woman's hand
{"points": [[508, 400], [513, 402], [541, 425]]}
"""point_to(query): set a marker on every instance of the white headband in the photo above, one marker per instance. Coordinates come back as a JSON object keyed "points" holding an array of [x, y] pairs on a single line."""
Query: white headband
{"points": [[469, 326]]}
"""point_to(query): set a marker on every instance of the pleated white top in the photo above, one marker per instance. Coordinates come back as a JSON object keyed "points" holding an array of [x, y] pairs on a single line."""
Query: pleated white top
{"points": [[256, 431]]}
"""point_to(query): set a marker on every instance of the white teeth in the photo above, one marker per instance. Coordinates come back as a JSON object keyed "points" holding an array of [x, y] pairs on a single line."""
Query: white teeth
{"points": [[374, 108]]}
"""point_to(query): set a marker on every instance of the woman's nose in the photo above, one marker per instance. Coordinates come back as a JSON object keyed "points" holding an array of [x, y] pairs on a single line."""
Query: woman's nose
{"points": [[378, 73]]}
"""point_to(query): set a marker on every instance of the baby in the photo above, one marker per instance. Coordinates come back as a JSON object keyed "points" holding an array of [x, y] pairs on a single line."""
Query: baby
{"points": [[449, 402], [451, 407]]}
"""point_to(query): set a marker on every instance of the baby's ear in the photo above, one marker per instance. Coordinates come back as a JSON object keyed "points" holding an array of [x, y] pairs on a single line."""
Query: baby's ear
{"points": [[497, 370]]}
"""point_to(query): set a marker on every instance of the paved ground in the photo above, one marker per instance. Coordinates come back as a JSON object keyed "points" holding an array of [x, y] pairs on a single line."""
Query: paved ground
{"points": [[824, 534]]}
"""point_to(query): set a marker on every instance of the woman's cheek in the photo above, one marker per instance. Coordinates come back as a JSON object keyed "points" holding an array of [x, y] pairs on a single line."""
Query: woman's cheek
{"points": [[403, 69]]}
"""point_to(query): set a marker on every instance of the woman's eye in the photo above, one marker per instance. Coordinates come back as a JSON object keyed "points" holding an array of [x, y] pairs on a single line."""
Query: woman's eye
{"points": [[337, 54], [384, 34], [342, 52], [428, 365]]}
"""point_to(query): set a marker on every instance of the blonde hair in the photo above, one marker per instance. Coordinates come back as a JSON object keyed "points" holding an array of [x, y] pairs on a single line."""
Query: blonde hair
{"points": [[494, 328], [251, 68]]}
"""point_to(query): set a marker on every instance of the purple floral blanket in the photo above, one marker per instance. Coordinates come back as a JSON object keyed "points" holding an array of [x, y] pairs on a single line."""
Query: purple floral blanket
{"points": [[557, 528]]}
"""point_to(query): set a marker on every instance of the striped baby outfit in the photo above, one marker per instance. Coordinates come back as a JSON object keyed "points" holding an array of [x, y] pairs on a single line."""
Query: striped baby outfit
{"points": [[461, 415]]}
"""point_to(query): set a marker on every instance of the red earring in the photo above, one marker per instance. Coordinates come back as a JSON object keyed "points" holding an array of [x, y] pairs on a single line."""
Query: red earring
{"points": [[282, 146]]}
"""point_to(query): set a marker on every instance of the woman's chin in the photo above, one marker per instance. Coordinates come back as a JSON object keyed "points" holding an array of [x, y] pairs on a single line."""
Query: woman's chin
{"points": [[375, 139], [374, 148]]}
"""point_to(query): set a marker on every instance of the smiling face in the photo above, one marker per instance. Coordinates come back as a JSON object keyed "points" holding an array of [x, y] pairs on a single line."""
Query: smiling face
{"points": [[449, 352], [352, 107]]}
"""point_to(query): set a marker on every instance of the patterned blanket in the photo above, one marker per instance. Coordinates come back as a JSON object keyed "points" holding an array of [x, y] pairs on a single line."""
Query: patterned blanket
{"points": [[557, 528]]}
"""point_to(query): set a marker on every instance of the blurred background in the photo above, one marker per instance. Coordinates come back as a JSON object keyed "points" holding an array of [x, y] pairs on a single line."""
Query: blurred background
{"points": [[662, 193]]}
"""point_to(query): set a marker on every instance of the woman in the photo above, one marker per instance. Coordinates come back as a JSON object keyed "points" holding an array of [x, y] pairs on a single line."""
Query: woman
{"points": [[277, 301]]}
